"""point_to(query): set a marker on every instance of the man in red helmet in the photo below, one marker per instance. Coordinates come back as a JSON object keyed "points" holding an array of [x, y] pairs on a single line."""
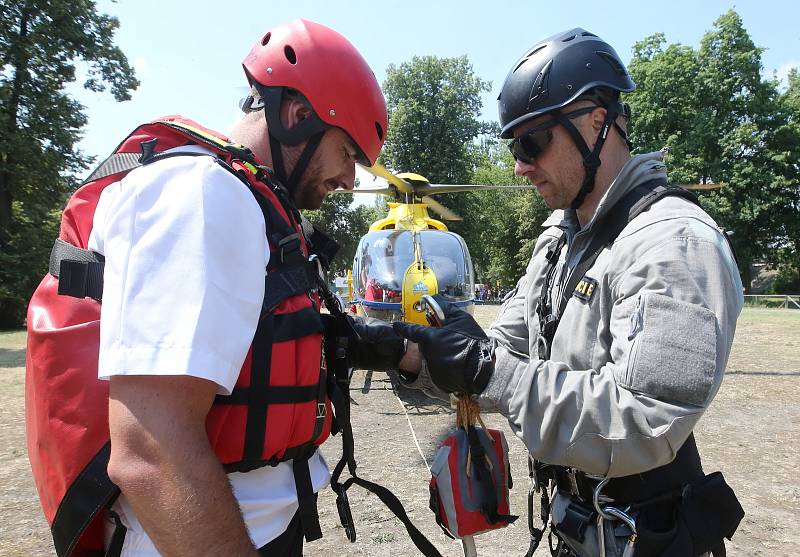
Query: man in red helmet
{"points": [[186, 247]]}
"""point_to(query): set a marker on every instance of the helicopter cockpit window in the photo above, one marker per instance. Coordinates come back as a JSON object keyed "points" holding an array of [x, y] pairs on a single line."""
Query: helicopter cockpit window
{"points": [[447, 255], [383, 257]]}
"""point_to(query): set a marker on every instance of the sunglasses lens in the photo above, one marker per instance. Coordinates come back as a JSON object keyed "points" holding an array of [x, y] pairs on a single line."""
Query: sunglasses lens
{"points": [[530, 145]]}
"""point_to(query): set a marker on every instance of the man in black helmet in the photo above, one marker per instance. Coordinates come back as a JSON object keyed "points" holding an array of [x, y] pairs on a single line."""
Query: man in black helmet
{"points": [[616, 339]]}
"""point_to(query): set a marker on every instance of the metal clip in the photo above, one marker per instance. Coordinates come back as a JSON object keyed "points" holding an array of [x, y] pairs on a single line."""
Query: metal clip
{"points": [[608, 512], [613, 513]]}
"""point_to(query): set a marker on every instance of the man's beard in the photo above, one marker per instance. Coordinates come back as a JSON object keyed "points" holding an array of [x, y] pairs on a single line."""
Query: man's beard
{"points": [[306, 194]]}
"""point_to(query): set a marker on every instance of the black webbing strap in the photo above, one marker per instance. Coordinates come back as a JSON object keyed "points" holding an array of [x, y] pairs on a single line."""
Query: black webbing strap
{"points": [[277, 159], [298, 324], [307, 504], [393, 504], [487, 494], [275, 394], [283, 282], [260, 368], [117, 538], [79, 271], [341, 404], [534, 469], [302, 162], [90, 493]]}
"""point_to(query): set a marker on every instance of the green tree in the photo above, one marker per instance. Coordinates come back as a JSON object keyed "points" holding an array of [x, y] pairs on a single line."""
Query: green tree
{"points": [[722, 123], [41, 41], [344, 224], [506, 223], [434, 105], [789, 246]]}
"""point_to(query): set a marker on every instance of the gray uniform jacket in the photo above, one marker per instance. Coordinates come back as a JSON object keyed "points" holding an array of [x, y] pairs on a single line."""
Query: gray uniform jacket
{"points": [[634, 364]]}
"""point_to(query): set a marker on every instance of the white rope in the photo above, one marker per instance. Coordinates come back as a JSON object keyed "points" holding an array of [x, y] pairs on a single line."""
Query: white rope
{"points": [[411, 427]]}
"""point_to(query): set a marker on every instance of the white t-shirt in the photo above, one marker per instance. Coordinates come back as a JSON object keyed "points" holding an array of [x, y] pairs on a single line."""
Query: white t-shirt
{"points": [[186, 253]]}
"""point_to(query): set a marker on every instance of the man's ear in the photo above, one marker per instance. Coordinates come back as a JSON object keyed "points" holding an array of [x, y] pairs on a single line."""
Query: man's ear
{"points": [[598, 116], [293, 112]]}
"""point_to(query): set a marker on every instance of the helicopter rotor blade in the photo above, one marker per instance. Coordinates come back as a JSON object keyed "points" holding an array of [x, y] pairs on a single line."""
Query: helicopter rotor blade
{"points": [[377, 189], [453, 188], [446, 213], [702, 187], [381, 171]]}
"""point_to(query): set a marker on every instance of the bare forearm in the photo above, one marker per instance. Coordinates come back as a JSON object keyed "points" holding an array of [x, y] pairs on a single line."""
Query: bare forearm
{"points": [[187, 507]]}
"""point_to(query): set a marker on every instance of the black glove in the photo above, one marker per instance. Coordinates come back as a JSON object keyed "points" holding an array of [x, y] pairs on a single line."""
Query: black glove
{"points": [[459, 354], [377, 347]]}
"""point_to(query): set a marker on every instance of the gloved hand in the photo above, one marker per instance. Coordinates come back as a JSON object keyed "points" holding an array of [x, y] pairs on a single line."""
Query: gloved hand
{"points": [[459, 354], [378, 347]]}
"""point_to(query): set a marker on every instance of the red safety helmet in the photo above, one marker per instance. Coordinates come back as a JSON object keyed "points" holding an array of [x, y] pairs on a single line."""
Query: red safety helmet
{"points": [[330, 73]]}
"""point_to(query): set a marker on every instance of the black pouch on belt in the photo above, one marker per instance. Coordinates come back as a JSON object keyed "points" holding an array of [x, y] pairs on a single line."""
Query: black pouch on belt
{"points": [[707, 511], [710, 510]]}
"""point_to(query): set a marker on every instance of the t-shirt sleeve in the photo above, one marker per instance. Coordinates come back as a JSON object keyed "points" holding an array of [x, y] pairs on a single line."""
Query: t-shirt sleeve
{"points": [[186, 253]]}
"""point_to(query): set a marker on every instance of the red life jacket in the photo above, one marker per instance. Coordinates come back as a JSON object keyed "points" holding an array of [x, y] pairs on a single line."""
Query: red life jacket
{"points": [[279, 408]]}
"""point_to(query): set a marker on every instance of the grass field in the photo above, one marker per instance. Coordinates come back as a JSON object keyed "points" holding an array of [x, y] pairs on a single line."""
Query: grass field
{"points": [[751, 432]]}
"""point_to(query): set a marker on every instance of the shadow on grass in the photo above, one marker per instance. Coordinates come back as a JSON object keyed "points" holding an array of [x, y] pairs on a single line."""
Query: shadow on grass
{"points": [[12, 357]]}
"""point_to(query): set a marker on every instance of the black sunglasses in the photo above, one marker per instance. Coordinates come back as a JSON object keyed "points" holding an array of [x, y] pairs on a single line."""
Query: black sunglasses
{"points": [[533, 142]]}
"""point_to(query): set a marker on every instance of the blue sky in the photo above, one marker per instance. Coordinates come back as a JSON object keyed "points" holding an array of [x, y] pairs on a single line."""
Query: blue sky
{"points": [[187, 54]]}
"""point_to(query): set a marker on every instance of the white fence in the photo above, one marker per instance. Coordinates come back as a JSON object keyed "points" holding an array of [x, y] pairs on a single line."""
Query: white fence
{"points": [[787, 301]]}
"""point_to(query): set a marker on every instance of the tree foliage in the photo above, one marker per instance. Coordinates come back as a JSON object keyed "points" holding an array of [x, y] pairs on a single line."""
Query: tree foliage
{"points": [[434, 129], [434, 104], [345, 224], [506, 223], [722, 123], [41, 41]]}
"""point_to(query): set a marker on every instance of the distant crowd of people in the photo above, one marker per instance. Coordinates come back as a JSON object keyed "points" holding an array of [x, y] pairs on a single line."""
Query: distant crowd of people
{"points": [[488, 293]]}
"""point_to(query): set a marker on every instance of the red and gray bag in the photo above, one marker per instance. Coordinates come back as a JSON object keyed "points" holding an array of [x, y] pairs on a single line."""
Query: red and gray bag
{"points": [[470, 480]]}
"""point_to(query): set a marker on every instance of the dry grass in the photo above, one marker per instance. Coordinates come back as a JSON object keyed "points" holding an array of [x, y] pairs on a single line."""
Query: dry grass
{"points": [[752, 433]]}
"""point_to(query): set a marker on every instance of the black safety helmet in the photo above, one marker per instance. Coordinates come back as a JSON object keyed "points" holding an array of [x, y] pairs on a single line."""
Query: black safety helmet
{"points": [[557, 71]]}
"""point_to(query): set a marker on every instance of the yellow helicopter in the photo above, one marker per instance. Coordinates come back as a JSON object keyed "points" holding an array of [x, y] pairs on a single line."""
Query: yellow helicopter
{"points": [[408, 254]]}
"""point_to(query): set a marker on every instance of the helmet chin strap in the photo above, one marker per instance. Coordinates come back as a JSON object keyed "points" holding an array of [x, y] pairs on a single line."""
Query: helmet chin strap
{"points": [[310, 129], [591, 159], [291, 182]]}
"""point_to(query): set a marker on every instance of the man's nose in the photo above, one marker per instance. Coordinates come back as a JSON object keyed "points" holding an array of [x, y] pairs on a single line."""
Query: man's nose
{"points": [[521, 168], [348, 177]]}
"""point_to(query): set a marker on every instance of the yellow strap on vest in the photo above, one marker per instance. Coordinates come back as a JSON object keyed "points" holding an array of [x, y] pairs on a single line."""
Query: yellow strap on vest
{"points": [[206, 137]]}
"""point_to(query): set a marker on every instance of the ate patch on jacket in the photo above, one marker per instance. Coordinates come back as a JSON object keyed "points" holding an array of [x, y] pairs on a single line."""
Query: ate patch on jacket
{"points": [[585, 289]]}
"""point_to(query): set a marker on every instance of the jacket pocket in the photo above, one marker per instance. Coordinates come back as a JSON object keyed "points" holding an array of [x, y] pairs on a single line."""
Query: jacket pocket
{"points": [[672, 356]]}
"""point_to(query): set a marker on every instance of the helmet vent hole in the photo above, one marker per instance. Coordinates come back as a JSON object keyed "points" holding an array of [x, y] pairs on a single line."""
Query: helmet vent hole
{"points": [[266, 39], [379, 129], [568, 39], [587, 34], [612, 61], [290, 54], [527, 56]]}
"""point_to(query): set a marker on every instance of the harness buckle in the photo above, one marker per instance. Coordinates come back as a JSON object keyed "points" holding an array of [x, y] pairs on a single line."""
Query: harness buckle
{"points": [[289, 244]]}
